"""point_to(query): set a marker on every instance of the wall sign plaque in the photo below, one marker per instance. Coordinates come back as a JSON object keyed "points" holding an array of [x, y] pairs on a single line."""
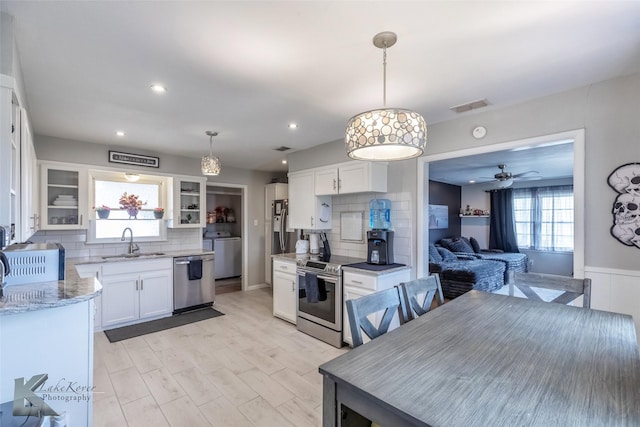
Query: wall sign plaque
{"points": [[134, 159]]}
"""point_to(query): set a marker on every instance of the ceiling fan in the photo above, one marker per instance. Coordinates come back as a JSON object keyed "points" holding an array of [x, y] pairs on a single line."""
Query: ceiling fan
{"points": [[504, 179]]}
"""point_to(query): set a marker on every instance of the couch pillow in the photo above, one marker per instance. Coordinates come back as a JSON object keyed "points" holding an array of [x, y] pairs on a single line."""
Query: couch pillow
{"points": [[474, 244], [460, 245], [447, 255], [434, 255], [445, 243]]}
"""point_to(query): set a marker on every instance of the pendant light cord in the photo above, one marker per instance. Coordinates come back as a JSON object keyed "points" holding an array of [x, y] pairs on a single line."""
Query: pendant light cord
{"points": [[384, 75], [210, 145]]}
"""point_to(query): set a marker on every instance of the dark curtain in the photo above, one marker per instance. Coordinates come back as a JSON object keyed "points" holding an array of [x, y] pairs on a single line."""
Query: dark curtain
{"points": [[502, 233]]}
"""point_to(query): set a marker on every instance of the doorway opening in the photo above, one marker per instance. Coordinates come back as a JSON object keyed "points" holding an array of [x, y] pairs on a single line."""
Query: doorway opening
{"points": [[225, 234], [575, 136]]}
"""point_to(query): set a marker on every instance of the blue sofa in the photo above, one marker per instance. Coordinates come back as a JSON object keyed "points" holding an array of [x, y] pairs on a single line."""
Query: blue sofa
{"points": [[514, 262], [462, 273]]}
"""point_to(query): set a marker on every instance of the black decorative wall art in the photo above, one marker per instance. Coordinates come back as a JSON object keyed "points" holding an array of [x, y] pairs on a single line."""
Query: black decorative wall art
{"points": [[626, 208]]}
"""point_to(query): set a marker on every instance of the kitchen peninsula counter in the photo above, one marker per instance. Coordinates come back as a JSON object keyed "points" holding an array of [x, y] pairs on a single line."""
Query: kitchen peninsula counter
{"points": [[46, 332]]}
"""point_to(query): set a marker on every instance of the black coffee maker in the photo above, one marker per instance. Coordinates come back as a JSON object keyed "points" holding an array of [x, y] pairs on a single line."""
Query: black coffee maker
{"points": [[380, 247]]}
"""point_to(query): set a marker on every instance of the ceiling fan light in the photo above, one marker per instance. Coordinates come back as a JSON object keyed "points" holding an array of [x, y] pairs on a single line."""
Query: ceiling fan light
{"points": [[505, 183]]}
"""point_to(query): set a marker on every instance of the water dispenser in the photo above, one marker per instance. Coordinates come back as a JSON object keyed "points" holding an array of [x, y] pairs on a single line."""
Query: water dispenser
{"points": [[380, 214]]}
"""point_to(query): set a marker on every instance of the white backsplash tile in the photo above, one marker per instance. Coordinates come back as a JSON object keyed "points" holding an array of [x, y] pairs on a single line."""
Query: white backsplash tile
{"points": [[75, 246], [401, 223]]}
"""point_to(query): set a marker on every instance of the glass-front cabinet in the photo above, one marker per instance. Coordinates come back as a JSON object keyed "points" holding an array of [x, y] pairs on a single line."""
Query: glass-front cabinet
{"points": [[63, 197], [188, 203]]}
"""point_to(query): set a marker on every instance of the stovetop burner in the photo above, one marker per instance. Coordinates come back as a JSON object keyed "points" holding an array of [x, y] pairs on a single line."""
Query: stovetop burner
{"points": [[333, 265]]}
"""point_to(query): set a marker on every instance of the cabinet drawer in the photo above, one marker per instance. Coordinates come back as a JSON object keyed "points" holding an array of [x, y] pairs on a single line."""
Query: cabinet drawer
{"points": [[135, 267], [360, 281], [284, 266]]}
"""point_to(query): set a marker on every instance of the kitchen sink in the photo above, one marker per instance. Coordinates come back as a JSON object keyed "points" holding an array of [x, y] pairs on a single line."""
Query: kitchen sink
{"points": [[135, 255]]}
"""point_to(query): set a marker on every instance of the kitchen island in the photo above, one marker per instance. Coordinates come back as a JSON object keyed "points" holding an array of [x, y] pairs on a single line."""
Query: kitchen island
{"points": [[46, 339]]}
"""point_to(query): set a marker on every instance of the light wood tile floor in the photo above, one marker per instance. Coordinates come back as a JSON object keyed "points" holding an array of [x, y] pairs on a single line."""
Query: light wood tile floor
{"points": [[246, 368]]}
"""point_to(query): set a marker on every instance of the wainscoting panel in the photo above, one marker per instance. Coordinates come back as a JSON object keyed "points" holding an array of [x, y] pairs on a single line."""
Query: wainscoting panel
{"points": [[617, 291]]}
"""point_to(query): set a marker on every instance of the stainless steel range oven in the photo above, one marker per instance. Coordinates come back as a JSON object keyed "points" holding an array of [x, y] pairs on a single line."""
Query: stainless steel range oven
{"points": [[320, 309]]}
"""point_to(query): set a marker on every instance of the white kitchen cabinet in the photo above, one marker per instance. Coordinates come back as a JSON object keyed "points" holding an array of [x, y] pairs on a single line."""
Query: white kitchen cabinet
{"points": [[133, 291], [357, 283], [351, 177], [187, 202], [273, 191], [29, 184], [284, 289], [306, 210], [63, 201]]}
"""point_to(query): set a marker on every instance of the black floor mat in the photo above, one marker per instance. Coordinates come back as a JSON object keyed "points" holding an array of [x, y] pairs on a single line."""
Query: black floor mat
{"points": [[136, 330]]}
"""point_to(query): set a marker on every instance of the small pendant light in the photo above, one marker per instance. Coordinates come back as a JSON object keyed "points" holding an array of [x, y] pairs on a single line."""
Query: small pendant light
{"points": [[211, 164]]}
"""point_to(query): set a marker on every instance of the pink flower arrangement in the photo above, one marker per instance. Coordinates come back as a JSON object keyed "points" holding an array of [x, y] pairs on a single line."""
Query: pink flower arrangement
{"points": [[130, 201], [102, 208], [159, 209]]}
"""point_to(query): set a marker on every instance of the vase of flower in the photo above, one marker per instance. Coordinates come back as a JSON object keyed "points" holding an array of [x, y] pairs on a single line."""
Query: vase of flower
{"points": [[132, 204], [158, 213], [133, 213]]}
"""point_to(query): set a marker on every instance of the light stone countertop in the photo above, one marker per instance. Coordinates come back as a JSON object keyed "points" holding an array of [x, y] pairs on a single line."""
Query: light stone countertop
{"points": [[111, 259], [45, 295]]}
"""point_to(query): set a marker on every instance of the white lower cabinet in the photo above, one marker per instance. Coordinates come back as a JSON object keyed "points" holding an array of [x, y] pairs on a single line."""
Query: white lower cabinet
{"points": [[136, 290], [284, 290], [356, 285]]}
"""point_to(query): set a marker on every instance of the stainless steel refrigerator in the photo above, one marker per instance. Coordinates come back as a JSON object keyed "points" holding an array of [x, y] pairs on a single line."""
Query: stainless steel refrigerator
{"points": [[283, 239]]}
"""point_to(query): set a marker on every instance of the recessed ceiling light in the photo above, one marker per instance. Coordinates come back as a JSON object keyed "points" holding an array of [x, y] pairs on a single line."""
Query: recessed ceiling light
{"points": [[158, 88], [292, 126], [472, 181], [120, 133], [284, 162]]}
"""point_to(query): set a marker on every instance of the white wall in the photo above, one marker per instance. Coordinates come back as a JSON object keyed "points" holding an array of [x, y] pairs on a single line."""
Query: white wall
{"points": [[56, 149]]}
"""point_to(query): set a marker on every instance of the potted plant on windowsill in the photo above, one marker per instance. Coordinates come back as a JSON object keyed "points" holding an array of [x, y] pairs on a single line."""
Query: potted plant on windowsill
{"points": [[103, 211], [158, 213]]}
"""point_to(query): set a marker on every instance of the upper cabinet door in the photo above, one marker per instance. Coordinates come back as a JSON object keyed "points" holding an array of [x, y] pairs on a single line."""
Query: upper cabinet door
{"points": [[188, 203], [63, 201], [306, 210], [326, 182], [351, 177]]}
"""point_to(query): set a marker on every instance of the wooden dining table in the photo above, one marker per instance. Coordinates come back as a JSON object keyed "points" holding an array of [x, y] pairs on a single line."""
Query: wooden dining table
{"points": [[492, 360]]}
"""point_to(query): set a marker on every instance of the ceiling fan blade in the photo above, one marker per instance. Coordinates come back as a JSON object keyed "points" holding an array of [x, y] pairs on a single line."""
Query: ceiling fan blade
{"points": [[518, 175]]}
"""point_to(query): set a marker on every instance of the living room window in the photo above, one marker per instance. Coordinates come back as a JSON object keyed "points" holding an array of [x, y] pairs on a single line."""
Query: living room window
{"points": [[544, 218]]}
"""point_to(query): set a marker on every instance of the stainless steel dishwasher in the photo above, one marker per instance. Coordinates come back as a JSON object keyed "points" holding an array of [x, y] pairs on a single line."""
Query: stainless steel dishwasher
{"points": [[193, 282]]}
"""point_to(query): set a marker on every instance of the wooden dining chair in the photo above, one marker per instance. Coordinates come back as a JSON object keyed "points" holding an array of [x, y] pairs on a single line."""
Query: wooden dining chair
{"points": [[358, 310], [571, 288], [418, 295]]}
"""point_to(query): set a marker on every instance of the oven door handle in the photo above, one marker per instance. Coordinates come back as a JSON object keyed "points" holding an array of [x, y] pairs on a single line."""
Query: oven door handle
{"points": [[328, 279]]}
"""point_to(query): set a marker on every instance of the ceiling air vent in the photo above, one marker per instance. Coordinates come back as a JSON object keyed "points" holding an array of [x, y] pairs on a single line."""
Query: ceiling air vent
{"points": [[469, 106], [282, 148]]}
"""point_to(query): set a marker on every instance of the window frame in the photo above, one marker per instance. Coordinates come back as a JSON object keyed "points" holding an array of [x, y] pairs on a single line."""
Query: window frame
{"points": [[537, 223], [118, 176]]}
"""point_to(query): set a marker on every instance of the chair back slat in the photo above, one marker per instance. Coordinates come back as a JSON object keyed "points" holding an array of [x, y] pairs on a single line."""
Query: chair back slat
{"points": [[358, 309], [572, 288], [419, 294]]}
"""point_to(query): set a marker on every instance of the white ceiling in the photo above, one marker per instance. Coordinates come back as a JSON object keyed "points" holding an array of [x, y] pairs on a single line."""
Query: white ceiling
{"points": [[548, 161], [247, 69]]}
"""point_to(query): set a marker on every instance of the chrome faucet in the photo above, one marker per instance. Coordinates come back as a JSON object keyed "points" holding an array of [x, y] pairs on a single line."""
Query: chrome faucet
{"points": [[132, 246]]}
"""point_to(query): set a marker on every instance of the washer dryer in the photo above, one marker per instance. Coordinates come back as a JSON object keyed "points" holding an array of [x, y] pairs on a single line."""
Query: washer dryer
{"points": [[228, 253]]}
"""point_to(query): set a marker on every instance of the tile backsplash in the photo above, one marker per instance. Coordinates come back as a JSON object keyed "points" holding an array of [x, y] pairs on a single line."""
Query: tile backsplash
{"points": [[401, 224], [75, 246]]}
